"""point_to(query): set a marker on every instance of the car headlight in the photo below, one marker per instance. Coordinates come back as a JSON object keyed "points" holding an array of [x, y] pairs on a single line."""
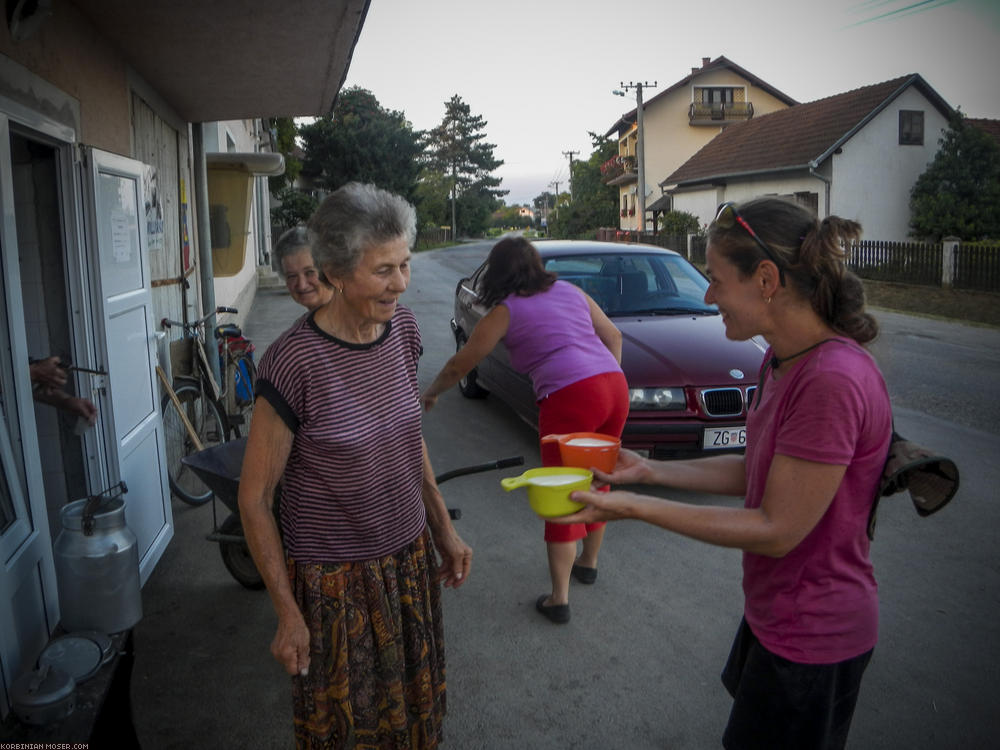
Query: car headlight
{"points": [[662, 399]]}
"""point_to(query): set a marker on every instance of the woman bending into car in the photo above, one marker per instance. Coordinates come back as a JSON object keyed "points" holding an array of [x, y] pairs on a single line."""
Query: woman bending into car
{"points": [[572, 351], [817, 439]]}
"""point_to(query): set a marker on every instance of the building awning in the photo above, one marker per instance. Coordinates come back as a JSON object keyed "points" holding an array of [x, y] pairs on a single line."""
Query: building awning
{"points": [[662, 203], [234, 59], [256, 163]]}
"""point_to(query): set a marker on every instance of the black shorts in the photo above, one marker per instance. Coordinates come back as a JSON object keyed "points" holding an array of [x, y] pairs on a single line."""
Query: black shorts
{"points": [[779, 703]]}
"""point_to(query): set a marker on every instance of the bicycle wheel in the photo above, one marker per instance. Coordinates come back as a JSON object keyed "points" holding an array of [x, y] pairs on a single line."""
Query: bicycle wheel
{"points": [[236, 555], [211, 430], [241, 379]]}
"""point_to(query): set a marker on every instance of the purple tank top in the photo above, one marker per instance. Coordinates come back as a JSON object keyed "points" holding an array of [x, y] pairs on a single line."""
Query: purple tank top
{"points": [[551, 337]]}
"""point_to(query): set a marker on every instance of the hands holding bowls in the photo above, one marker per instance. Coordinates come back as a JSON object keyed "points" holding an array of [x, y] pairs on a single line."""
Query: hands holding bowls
{"points": [[630, 468]]}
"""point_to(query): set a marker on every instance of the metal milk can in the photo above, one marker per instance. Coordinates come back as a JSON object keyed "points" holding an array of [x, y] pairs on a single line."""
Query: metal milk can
{"points": [[97, 565]]}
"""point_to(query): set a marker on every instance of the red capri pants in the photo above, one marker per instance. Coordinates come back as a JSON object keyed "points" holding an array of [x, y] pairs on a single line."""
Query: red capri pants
{"points": [[595, 404]]}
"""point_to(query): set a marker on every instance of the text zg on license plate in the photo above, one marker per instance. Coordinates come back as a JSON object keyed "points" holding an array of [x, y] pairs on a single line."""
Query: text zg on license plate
{"points": [[718, 438]]}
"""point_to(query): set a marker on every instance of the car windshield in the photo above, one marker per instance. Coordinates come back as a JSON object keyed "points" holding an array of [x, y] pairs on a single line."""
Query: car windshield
{"points": [[634, 284]]}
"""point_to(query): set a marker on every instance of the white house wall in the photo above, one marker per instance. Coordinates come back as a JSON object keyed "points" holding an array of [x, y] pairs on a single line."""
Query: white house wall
{"points": [[705, 202], [873, 176]]}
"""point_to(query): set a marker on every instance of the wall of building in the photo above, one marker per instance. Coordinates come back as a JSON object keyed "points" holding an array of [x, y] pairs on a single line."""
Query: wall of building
{"points": [[874, 174], [70, 54]]}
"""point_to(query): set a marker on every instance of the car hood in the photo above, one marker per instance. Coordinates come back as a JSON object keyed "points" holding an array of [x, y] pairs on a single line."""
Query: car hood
{"points": [[683, 350]]}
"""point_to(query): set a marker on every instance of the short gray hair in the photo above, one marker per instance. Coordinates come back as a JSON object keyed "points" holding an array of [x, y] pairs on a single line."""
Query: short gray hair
{"points": [[352, 219], [291, 241]]}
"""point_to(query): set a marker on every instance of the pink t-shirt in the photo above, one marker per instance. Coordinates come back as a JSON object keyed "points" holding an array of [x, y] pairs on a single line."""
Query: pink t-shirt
{"points": [[819, 603], [551, 337]]}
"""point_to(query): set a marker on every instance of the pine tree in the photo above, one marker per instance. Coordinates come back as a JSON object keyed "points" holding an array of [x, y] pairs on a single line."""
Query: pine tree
{"points": [[457, 151]]}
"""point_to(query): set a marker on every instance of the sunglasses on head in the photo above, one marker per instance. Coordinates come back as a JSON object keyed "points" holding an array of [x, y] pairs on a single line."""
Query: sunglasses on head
{"points": [[728, 217]]}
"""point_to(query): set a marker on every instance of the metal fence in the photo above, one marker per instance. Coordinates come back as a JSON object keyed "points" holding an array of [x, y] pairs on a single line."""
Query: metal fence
{"points": [[906, 262], [958, 265], [977, 267]]}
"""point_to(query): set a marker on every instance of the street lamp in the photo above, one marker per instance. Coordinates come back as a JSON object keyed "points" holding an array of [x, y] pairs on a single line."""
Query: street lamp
{"points": [[639, 152]]}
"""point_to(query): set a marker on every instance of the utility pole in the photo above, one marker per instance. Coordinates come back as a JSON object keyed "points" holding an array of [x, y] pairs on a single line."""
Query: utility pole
{"points": [[570, 154], [639, 155], [555, 202]]}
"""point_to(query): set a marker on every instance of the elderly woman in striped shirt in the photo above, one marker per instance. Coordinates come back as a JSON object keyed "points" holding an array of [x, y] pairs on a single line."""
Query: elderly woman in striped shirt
{"points": [[353, 573]]}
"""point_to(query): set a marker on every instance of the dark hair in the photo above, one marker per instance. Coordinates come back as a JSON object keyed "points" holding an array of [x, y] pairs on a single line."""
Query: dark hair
{"points": [[352, 219], [811, 254], [513, 267]]}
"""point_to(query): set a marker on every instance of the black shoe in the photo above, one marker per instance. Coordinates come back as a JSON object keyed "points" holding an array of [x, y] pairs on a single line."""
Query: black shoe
{"points": [[558, 613], [584, 575]]}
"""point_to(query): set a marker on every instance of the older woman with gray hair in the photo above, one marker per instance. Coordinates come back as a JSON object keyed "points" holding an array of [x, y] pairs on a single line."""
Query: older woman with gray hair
{"points": [[353, 573], [293, 260]]}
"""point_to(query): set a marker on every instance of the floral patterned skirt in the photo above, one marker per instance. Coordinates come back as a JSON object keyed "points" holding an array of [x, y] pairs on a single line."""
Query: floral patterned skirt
{"points": [[377, 675]]}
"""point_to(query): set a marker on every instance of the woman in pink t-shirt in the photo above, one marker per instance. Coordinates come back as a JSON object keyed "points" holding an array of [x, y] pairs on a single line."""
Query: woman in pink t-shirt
{"points": [[559, 336], [817, 439]]}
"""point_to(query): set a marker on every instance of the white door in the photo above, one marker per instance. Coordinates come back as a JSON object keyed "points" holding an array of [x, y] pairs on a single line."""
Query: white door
{"points": [[125, 325], [28, 593]]}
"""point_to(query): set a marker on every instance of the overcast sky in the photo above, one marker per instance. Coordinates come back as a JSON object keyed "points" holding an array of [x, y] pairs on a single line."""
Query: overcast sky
{"points": [[541, 72]]}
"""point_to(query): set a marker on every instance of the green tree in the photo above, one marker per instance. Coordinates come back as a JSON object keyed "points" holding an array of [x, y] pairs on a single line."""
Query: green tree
{"points": [[294, 207], [457, 149], [677, 223], [594, 204], [364, 142], [959, 193], [284, 134]]}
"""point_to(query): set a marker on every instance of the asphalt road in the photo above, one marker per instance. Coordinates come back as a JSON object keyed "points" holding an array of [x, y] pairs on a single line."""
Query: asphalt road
{"points": [[638, 665]]}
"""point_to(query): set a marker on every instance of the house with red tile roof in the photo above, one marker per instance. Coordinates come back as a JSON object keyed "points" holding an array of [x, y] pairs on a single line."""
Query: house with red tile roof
{"points": [[679, 120], [991, 127], [855, 155]]}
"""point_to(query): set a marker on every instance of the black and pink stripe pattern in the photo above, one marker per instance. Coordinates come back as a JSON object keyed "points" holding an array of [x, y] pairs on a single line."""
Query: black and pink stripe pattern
{"points": [[352, 486]]}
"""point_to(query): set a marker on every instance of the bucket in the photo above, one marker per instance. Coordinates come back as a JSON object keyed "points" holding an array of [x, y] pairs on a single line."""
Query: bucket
{"points": [[587, 450], [549, 488], [97, 566]]}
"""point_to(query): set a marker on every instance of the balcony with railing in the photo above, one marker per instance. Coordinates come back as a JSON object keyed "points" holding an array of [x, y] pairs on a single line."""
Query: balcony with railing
{"points": [[619, 170], [714, 113]]}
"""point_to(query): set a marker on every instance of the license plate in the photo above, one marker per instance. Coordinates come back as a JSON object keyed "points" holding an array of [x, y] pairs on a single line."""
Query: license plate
{"points": [[717, 438]]}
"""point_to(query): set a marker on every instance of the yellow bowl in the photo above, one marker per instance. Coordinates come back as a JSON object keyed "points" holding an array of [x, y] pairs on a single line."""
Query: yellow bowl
{"points": [[549, 488]]}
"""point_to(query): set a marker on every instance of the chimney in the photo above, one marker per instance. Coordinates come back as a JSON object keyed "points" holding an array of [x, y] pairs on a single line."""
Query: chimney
{"points": [[705, 61]]}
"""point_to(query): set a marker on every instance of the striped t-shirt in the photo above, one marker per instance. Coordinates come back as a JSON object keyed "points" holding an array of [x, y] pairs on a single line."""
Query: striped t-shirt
{"points": [[352, 485]]}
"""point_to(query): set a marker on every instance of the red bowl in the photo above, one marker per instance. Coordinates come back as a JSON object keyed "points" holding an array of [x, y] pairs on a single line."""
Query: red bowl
{"points": [[587, 450]]}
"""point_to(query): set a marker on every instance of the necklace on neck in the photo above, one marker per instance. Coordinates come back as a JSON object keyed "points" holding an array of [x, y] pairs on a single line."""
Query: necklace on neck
{"points": [[775, 362]]}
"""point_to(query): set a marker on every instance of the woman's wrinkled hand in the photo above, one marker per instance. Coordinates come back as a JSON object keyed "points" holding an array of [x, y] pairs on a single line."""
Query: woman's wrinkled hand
{"points": [[456, 561], [46, 373], [291, 644]]}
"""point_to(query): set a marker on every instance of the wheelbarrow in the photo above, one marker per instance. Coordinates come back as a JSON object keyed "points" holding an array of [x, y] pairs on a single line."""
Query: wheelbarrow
{"points": [[219, 468]]}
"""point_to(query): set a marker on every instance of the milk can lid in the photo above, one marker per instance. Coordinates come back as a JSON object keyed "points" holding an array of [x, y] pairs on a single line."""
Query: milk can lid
{"points": [[79, 656], [43, 687]]}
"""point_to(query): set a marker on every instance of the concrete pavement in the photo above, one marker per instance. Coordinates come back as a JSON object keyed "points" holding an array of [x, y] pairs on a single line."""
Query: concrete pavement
{"points": [[642, 655]]}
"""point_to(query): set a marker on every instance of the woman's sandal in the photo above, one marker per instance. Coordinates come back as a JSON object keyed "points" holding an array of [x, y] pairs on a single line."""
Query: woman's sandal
{"points": [[557, 613], [584, 574]]}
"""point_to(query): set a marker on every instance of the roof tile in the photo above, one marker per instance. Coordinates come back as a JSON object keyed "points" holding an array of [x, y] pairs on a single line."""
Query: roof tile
{"points": [[788, 138]]}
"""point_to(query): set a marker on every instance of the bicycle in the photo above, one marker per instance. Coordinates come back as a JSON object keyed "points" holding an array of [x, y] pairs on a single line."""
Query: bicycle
{"points": [[197, 412]]}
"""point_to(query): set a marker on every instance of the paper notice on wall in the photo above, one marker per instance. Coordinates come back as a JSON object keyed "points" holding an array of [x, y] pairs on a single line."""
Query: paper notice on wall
{"points": [[122, 226]]}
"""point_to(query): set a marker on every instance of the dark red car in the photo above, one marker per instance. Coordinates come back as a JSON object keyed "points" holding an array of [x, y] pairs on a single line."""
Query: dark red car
{"points": [[689, 385]]}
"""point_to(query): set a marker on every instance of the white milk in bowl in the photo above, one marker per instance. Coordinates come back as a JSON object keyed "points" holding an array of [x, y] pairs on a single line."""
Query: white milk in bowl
{"points": [[555, 480], [589, 442]]}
